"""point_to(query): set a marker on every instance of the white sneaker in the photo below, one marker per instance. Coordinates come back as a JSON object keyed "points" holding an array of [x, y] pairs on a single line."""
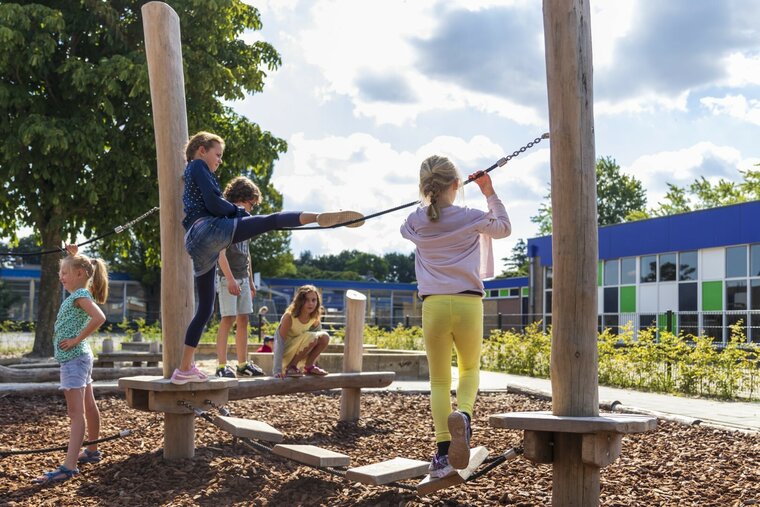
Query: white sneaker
{"points": [[334, 218]]}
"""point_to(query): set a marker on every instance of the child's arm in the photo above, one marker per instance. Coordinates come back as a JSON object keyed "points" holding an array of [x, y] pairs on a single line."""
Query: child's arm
{"points": [[232, 285], [97, 318], [279, 344], [212, 197]]}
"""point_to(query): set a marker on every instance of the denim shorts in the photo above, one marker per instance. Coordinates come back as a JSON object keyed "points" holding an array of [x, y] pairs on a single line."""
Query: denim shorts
{"points": [[76, 373], [235, 305], [205, 238]]}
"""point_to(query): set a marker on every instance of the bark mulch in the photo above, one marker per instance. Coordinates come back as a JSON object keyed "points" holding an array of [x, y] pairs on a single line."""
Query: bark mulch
{"points": [[675, 465]]}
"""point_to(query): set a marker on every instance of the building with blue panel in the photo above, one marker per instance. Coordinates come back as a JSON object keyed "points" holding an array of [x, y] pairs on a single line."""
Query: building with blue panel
{"points": [[696, 272]]}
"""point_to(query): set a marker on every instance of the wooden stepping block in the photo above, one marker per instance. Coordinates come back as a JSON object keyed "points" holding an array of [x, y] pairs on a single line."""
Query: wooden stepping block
{"points": [[246, 428], [312, 455], [392, 470], [546, 421], [429, 485]]}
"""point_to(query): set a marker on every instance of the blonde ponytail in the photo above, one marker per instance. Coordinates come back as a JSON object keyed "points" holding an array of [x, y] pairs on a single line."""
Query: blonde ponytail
{"points": [[99, 281]]}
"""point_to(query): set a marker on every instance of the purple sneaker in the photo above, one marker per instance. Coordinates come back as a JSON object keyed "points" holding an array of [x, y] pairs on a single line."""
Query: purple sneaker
{"points": [[180, 377], [439, 467], [459, 451]]}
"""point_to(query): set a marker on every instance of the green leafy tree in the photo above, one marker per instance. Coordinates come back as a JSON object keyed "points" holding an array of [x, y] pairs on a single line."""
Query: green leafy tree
{"points": [[78, 154], [618, 196], [518, 263], [400, 267]]}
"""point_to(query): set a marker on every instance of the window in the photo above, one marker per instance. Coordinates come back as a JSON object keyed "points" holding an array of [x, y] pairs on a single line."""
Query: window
{"points": [[548, 276], [610, 300], [611, 272], [754, 269], [628, 271], [648, 269], [668, 267], [736, 261], [736, 295], [687, 266], [687, 297]]}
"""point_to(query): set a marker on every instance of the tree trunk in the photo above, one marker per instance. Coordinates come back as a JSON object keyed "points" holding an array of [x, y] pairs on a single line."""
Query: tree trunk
{"points": [[50, 293]]}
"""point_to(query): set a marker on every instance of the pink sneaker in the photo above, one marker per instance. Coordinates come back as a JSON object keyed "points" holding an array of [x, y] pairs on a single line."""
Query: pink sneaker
{"points": [[180, 377]]}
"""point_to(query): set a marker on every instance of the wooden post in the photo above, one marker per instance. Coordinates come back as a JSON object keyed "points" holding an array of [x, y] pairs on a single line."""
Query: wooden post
{"points": [[356, 304], [163, 50], [567, 33]]}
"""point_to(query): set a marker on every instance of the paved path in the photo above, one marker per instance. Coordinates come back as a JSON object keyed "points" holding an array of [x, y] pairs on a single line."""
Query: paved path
{"points": [[741, 415]]}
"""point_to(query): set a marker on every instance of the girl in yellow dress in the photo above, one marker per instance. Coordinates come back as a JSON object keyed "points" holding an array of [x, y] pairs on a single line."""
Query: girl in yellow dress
{"points": [[299, 338]]}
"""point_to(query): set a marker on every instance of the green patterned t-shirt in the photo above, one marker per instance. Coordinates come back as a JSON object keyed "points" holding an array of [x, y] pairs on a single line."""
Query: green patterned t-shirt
{"points": [[69, 323]]}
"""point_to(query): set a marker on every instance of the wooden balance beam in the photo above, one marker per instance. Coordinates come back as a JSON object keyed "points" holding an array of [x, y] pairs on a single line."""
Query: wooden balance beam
{"points": [[267, 386]]}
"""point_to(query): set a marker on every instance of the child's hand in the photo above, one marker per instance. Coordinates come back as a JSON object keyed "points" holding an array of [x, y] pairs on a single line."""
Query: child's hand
{"points": [[233, 287], [68, 343], [483, 180], [72, 249]]}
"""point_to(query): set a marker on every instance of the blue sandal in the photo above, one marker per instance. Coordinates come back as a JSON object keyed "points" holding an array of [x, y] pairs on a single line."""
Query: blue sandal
{"points": [[90, 457], [60, 474]]}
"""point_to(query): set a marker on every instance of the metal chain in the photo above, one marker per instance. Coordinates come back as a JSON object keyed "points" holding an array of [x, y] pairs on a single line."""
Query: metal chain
{"points": [[222, 410]]}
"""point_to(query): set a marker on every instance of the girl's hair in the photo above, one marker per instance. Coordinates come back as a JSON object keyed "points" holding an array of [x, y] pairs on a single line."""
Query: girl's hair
{"points": [[300, 298], [241, 189], [436, 175], [205, 139], [97, 274]]}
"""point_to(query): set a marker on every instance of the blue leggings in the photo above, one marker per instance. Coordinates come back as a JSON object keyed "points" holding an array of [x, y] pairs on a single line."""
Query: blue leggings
{"points": [[205, 284]]}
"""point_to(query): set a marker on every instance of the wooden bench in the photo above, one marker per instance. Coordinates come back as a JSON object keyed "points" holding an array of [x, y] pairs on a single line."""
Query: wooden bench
{"points": [[107, 360]]}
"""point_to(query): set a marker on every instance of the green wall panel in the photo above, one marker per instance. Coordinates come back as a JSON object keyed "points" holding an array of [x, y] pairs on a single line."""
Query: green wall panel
{"points": [[712, 296], [628, 299], [599, 273]]}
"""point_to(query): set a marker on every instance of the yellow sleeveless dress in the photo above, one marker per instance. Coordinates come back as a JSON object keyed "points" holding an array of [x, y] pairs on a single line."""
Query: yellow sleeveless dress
{"points": [[299, 337]]}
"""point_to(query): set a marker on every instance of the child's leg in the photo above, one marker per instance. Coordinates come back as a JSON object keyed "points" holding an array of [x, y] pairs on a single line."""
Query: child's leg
{"points": [[437, 332], [319, 346], [92, 416], [248, 227], [75, 409], [221, 338], [205, 284], [241, 338], [468, 337]]}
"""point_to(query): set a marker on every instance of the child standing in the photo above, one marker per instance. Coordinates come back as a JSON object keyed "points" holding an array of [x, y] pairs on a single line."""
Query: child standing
{"points": [[86, 280], [236, 287], [452, 257], [212, 224], [299, 337]]}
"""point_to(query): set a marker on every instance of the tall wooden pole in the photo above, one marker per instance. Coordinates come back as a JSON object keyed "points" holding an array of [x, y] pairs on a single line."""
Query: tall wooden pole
{"points": [[353, 348], [574, 368], [163, 48]]}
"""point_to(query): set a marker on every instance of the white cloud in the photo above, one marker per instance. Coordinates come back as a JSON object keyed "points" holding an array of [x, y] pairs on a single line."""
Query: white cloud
{"points": [[736, 106]]}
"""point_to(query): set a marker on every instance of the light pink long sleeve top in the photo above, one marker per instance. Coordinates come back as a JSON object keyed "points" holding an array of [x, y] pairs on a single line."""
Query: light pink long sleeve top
{"points": [[455, 253]]}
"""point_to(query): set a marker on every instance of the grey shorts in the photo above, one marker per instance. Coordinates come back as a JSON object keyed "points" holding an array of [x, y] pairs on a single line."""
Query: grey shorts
{"points": [[230, 305], [76, 373]]}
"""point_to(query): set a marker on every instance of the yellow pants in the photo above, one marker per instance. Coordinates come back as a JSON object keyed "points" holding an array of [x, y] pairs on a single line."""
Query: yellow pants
{"points": [[452, 320]]}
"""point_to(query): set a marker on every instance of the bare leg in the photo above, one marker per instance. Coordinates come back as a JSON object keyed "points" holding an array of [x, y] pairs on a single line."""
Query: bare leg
{"points": [[221, 338], [92, 416], [241, 338], [321, 344], [188, 354], [75, 408], [303, 354]]}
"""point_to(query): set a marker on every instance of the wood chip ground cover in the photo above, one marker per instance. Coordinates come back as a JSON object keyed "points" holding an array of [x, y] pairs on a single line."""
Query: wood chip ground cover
{"points": [[675, 465]]}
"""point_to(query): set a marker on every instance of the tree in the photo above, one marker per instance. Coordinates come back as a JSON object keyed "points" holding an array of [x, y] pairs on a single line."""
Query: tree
{"points": [[701, 194], [356, 265], [618, 196], [518, 263], [78, 152], [400, 267]]}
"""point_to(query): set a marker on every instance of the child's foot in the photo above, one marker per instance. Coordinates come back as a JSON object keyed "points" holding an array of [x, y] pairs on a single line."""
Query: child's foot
{"points": [[333, 218], [293, 371], [89, 456], [440, 467], [180, 377], [58, 475], [315, 370], [459, 451], [225, 371], [249, 369]]}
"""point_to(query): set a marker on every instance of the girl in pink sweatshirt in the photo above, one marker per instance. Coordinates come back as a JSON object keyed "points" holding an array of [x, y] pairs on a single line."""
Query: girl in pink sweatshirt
{"points": [[452, 257]]}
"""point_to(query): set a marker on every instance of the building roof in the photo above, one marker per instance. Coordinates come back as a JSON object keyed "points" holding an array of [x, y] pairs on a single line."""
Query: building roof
{"points": [[724, 226]]}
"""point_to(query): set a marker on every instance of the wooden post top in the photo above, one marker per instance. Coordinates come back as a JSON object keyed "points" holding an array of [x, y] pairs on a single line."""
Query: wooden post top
{"points": [[355, 295], [151, 383], [546, 421]]}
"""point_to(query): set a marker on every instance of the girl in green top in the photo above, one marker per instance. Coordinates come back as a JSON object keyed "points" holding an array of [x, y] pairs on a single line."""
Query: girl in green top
{"points": [[87, 282]]}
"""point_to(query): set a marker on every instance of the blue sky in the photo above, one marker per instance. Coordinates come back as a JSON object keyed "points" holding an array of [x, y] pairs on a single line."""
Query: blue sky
{"points": [[368, 89]]}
